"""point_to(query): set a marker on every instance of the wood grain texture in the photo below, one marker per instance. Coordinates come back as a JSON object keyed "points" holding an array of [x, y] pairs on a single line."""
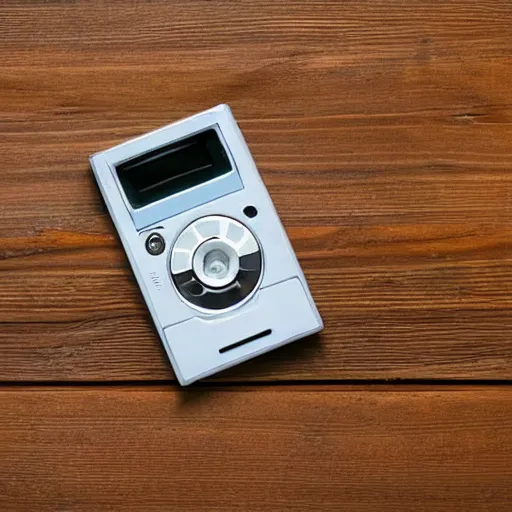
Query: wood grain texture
{"points": [[262, 449], [382, 130]]}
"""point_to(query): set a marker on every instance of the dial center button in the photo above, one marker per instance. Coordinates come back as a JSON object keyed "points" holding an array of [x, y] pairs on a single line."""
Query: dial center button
{"points": [[216, 263]]}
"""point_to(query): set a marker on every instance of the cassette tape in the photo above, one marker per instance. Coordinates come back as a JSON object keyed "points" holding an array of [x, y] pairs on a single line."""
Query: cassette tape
{"points": [[206, 245]]}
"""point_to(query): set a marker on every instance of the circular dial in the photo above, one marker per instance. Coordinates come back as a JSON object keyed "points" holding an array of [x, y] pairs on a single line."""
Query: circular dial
{"points": [[216, 262]]}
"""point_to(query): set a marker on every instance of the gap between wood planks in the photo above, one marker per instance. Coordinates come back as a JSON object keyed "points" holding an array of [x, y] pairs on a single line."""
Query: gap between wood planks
{"points": [[408, 385]]}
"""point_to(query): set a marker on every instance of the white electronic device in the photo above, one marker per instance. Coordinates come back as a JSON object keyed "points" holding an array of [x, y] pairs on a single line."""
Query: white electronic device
{"points": [[211, 257]]}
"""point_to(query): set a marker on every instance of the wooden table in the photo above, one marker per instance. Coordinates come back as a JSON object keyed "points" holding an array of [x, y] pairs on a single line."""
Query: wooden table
{"points": [[383, 132]]}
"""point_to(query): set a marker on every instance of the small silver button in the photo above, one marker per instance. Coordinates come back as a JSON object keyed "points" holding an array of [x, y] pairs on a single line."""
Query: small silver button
{"points": [[155, 244], [216, 263]]}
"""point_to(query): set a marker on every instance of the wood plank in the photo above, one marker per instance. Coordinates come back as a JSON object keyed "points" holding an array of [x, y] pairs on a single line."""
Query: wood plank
{"points": [[382, 130], [258, 449]]}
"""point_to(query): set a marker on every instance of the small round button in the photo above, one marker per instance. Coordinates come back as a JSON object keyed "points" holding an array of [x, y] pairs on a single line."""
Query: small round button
{"points": [[155, 244], [250, 211], [216, 263]]}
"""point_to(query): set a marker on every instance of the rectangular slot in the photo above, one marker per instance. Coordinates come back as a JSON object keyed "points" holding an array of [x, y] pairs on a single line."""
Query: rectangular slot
{"points": [[173, 168], [254, 337]]}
